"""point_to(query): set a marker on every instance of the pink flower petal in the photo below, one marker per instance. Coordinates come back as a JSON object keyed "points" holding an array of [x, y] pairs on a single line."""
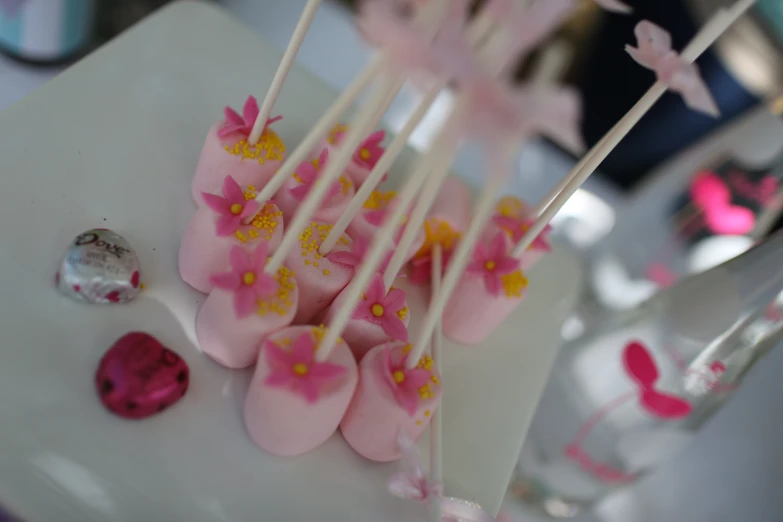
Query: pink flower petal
{"points": [[492, 284], [270, 121], [227, 225], [364, 312], [306, 172], [394, 327], [227, 130], [232, 191], [299, 193], [244, 301], [264, 285], [303, 349], [481, 254], [506, 265], [240, 260], [250, 112], [343, 258], [226, 281], [326, 371], [408, 400], [376, 290], [395, 300], [475, 267], [497, 248], [276, 357], [233, 117], [309, 390], [216, 203], [375, 217], [416, 378], [278, 380], [250, 209], [322, 159]]}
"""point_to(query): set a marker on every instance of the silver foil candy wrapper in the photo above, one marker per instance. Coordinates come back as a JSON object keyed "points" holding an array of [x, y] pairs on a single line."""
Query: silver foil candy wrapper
{"points": [[101, 267]]}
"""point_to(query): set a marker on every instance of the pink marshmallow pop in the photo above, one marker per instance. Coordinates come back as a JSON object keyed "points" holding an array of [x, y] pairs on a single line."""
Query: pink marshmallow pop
{"points": [[390, 398], [227, 151], [295, 403], [245, 306], [219, 226]]}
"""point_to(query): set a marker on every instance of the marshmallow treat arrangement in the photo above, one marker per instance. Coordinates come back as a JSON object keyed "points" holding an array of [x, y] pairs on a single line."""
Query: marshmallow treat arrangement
{"points": [[348, 284]]}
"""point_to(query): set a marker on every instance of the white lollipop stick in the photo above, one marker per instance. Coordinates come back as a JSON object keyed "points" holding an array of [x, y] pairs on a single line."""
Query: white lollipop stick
{"points": [[436, 426], [282, 70], [435, 179], [322, 126], [566, 188], [334, 168], [386, 161], [381, 242], [464, 249]]}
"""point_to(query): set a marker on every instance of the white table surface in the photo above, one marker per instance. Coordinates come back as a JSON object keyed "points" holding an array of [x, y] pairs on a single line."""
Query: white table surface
{"points": [[113, 142]]}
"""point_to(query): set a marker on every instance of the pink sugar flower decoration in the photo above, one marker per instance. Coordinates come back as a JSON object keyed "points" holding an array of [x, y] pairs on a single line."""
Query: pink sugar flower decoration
{"points": [[243, 124], [370, 150], [493, 261], [232, 207], [381, 308], [654, 51], [404, 383], [355, 257], [308, 173], [518, 227], [246, 279], [298, 370], [421, 267]]}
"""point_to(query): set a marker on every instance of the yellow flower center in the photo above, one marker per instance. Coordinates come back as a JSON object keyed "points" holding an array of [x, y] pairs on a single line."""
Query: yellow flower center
{"points": [[236, 209], [249, 278], [364, 154], [300, 369], [377, 310], [398, 376], [489, 265]]}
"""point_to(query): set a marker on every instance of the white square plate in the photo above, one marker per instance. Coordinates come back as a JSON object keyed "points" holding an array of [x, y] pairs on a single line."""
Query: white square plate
{"points": [[113, 142]]}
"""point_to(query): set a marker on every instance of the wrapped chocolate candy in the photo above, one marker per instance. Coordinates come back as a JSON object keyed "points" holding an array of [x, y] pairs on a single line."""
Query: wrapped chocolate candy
{"points": [[99, 266]]}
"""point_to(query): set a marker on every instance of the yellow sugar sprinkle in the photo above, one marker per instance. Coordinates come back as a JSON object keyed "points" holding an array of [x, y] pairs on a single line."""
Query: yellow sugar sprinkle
{"points": [[427, 413], [402, 313], [437, 232], [379, 200], [337, 129], [269, 147], [514, 283], [345, 184], [510, 206], [326, 272], [418, 423], [407, 348]]}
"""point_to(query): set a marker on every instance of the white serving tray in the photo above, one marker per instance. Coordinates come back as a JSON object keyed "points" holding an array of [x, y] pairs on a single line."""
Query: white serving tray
{"points": [[113, 143]]}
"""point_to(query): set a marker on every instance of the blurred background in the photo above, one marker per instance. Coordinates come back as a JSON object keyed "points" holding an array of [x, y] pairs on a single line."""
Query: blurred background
{"points": [[636, 225]]}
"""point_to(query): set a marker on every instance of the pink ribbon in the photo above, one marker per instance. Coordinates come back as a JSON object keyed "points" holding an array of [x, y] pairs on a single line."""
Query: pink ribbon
{"points": [[412, 484], [654, 51]]}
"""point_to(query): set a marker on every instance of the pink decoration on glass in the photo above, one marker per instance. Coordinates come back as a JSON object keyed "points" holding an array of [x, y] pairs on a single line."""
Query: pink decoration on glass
{"points": [[712, 196], [355, 257], [493, 261], [412, 484], [308, 174], [243, 124], [642, 369], [379, 307], [232, 207], [654, 51], [297, 369], [660, 274], [246, 279], [518, 226], [404, 383]]}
